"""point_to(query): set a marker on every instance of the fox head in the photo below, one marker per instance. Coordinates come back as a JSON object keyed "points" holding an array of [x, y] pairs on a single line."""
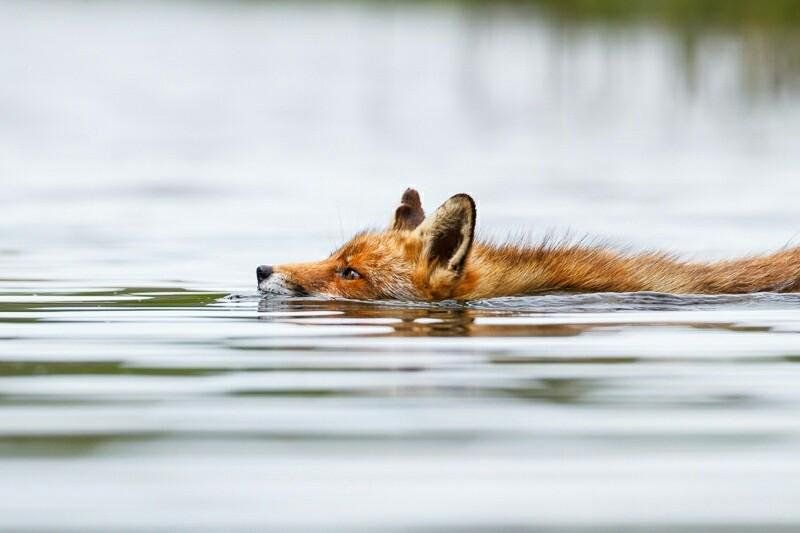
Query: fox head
{"points": [[416, 258]]}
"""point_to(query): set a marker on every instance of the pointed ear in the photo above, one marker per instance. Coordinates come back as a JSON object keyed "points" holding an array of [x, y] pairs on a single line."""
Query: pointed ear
{"points": [[410, 214], [447, 235]]}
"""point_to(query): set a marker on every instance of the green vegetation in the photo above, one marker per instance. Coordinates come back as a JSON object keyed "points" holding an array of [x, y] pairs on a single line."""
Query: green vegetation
{"points": [[725, 13], [767, 32]]}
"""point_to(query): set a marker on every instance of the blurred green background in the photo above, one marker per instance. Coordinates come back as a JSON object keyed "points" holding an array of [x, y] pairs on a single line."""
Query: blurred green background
{"points": [[768, 31]]}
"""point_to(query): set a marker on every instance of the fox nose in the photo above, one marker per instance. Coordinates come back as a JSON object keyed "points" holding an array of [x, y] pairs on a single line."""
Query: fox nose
{"points": [[263, 272]]}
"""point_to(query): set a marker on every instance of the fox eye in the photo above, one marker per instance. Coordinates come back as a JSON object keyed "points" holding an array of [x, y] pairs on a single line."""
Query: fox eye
{"points": [[350, 274]]}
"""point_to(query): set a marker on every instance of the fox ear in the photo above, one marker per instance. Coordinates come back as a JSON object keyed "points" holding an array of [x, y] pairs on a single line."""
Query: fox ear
{"points": [[410, 214], [447, 235]]}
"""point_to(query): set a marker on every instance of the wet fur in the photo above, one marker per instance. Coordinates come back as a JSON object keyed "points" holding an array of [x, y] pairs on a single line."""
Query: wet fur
{"points": [[436, 258]]}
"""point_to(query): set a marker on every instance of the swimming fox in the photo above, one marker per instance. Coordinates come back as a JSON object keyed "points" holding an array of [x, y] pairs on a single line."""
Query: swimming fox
{"points": [[436, 258]]}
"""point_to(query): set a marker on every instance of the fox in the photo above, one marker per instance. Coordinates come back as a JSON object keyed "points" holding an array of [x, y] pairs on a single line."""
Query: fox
{"points": [[434, 258]]}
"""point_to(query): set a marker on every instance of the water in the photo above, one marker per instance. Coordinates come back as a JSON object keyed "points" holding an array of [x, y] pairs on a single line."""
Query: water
{"points": [[152, 154]]}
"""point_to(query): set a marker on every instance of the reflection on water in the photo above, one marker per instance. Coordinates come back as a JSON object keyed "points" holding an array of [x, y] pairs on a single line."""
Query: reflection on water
{"points": [[161, 390]]}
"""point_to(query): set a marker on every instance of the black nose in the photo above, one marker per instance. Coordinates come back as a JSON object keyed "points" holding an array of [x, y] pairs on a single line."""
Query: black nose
{"points": [[263, 272]]}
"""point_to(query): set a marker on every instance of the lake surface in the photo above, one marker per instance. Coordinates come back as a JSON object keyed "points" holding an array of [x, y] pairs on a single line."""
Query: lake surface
{"points": [[152, 154]]}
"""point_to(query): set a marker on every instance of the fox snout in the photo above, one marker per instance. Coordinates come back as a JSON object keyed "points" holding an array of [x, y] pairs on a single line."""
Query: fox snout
{"points": [[276, 282], [263, 272]]}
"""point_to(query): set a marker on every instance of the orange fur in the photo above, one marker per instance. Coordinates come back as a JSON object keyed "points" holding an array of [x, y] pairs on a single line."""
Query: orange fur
{"points": [[434, 259]]}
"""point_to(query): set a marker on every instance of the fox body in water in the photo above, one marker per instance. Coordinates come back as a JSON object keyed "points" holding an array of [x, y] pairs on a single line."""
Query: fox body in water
{"points": [[437, 258]]}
